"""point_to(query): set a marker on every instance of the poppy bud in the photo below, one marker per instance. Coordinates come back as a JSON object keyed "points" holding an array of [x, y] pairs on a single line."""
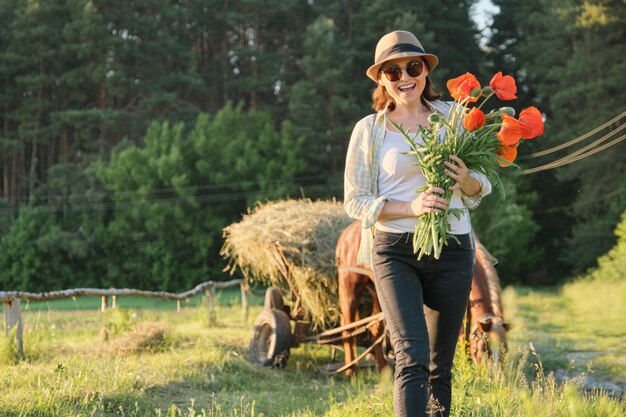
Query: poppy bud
{"points": [[492, 114], [475, 93], [487, 91], [434, 118], [508, 110]]}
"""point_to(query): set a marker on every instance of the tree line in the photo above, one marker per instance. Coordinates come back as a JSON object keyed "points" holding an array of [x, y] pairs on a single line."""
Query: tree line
{"points": [[134, 131]]}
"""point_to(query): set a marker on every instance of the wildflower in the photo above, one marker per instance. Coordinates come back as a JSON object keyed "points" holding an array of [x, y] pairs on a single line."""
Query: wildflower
{"points": [[511, 130], [508, 153], [461, 87], [474, 119], [504, 86], [532, 123]]}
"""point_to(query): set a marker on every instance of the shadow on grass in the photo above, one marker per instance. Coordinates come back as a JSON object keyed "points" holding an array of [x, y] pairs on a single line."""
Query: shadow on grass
{"points": [[240, 387]]}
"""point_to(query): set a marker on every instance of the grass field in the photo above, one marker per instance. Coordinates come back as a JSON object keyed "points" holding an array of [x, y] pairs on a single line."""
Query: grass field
{"points": [[144, 359], [574, 327]]}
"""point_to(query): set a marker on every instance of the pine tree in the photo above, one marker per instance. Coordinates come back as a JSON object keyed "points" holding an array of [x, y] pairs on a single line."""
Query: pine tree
{"points": [[565, 57], [591, 92], [33, 54], [9, 97]]}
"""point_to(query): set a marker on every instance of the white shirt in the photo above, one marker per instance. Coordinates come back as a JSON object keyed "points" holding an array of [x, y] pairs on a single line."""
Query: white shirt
{"points": [[398, 180]]}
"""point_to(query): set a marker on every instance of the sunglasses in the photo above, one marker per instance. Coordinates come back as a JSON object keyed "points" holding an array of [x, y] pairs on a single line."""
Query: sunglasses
{"points": [[413, 68]]}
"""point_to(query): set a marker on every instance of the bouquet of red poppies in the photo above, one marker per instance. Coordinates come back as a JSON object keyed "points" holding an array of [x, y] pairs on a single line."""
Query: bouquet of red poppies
{"points": [[485, 142]]}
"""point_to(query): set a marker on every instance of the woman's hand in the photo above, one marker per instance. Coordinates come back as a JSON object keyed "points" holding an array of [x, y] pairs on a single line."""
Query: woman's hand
{"points": [[428, 201], [461, 174]]}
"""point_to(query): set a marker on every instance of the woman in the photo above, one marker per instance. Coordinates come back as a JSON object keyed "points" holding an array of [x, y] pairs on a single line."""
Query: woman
{"points": [[423, 301]]}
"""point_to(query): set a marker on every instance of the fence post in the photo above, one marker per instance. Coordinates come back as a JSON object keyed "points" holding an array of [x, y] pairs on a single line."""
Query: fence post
{"points": [[13, 318], [178, 306], [244, 301], [104, 303], [114, 302], [210, 298]]}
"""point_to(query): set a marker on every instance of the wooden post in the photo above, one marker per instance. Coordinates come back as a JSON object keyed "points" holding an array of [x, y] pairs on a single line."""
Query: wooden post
{"points": [[178, 306], [104, 303], [13, 318], [113, 301], [210, 298], [244, 301], [214, 298]]}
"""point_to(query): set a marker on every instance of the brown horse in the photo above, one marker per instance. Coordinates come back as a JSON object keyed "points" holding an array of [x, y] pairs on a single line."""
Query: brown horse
{"points": [[485, 315], [354, 279], [485, 330]]}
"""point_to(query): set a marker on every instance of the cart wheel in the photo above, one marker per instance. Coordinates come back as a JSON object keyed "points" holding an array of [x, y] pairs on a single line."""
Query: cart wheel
{"points": [[271, 339], [274, 299]]}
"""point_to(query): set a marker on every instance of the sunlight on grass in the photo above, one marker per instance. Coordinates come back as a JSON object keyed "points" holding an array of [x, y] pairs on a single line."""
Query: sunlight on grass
{"points": [[80, 364], [577, 324]]}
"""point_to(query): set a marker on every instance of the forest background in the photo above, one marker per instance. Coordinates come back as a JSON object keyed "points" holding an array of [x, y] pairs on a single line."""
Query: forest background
{"points": [[132, 132]]}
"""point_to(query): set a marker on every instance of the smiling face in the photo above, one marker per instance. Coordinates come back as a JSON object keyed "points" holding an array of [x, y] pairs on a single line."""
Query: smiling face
{"points": [[407, 90]]}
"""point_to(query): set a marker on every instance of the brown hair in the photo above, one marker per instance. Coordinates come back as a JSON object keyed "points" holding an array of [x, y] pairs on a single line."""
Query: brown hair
{"points": [[382, 100]]}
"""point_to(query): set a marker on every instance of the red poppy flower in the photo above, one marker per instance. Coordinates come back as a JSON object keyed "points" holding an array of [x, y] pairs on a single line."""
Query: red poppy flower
{"points": [[504, 87], [474, 119], [509, 153], [460, 87], [532, 122], [511, 130]]}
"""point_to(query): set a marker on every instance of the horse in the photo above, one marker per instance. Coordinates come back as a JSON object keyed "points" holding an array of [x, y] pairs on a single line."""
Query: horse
{"points": [[484, 330], [354, 279], [484, 315]]}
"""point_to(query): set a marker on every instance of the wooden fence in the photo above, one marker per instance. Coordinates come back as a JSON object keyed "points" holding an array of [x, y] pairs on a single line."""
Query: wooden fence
{"points": [[13, 316]]}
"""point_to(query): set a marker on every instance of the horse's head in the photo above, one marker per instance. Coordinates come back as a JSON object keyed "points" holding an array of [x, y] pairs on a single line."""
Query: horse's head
{"points": [[488, 339]]}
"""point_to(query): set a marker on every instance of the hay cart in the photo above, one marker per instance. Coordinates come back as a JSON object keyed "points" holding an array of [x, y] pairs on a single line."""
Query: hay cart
{"points": [[289, 246], [278, 329]]}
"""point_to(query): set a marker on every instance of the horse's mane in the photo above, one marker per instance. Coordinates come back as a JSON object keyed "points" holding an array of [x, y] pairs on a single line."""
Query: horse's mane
{"points": [[492, 278]]}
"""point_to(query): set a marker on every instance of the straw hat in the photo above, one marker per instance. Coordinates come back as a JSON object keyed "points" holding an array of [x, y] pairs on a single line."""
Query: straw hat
{"points": [[399, 44]]}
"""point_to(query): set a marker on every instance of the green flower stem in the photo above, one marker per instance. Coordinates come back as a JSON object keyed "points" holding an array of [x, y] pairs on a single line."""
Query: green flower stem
{"points": [[468, 142], [435, 239], [447, 124], [485, 100]]}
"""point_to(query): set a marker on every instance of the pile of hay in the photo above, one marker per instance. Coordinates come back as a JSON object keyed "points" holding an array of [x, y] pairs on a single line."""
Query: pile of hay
{"points": [[291, 244], [144, 337]]}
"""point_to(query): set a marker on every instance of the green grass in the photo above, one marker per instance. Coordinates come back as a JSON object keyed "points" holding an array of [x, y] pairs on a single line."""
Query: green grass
{"points": [[69, 370], [225, 297], [575, 326]]}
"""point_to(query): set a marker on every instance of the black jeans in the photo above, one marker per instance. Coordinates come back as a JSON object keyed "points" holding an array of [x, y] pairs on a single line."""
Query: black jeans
{"points": [[423, 303]]}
